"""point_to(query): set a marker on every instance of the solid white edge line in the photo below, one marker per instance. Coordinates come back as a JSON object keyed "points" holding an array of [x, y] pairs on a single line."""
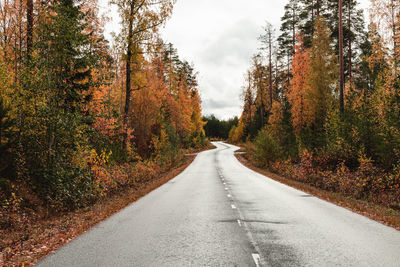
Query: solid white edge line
{"points": [[256, 258]]}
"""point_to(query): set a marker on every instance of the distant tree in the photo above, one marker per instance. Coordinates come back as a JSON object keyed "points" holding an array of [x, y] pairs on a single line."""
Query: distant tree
{"points": [[215, 128]]}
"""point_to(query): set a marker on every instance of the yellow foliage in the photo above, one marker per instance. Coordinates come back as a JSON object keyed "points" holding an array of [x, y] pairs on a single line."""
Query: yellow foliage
{"points": [[236, 133]]}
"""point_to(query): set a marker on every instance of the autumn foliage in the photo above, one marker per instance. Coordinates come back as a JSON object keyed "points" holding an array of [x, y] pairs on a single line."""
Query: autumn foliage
{"points": [[64, 113], [305, 135]]}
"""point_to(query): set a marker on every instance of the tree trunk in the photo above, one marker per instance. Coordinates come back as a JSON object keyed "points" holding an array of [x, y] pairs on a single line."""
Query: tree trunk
{"points": [[350, 52], [262, 100], [341, 63], [29, 30], [393, 15], [294, 28], [128, 79], [312, 15], [270, 67]]}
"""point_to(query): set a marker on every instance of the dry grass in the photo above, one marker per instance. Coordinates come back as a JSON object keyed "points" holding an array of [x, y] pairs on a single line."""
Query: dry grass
{"points": [[375, 212]]}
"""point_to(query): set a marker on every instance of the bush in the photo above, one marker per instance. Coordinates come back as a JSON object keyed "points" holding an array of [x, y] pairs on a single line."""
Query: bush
{"points": [[267, 149]]}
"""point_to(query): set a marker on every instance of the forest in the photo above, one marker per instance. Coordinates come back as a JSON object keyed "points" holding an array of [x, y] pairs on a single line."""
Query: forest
{"points": [[85, 120], [81, 119], [321, 102]]}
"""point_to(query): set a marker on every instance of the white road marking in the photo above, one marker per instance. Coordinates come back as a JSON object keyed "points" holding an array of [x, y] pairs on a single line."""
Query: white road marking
{"points": [[256, 258], [240, 223], [224, 183], [233, 206], [226, 188], [229, 195]]}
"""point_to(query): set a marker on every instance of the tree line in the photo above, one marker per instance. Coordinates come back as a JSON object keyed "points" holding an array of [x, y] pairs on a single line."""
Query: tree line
{"points": [[78, 117], [219, 129], [325, 91]]}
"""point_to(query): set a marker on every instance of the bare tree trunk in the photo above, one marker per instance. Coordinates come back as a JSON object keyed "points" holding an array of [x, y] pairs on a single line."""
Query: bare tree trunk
{"points": [[350, 52], [341, 63], [288, 68], [393, 15], [270, 67], [29, 35], [262, 99], [128, 79], [294, 27], [312, 14]]}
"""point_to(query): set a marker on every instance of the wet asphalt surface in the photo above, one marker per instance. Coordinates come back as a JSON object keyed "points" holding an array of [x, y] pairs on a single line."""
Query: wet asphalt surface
{"points": [[219, 213]]}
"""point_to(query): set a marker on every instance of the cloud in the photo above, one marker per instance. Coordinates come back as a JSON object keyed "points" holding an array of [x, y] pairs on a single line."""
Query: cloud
{"points": [[219, 38]]}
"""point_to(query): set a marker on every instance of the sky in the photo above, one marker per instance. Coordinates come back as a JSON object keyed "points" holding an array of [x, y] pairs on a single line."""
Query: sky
{"points": [[218, 37]]}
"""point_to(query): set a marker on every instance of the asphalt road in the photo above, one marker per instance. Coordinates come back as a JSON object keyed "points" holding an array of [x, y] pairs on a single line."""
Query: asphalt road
{"points": [[219, 213]]}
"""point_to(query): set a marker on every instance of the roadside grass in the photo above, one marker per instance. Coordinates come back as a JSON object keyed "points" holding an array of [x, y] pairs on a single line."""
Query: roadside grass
{"points": [[384, 215], [43, 236]]}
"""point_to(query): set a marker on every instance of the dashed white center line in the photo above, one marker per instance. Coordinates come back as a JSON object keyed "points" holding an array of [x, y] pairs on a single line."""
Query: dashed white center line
{"points": [[256, 258], [226, 188], [240, 223], [233, 206], [229, 195]]}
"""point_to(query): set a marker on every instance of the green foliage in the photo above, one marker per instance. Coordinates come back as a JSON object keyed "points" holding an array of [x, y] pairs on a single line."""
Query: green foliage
{"points": [[7, 138], [166, 145], [220, 129], [54, 122], [267, 150]]}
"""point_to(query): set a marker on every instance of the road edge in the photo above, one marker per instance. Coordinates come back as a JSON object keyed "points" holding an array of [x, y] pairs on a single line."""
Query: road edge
{"points": [[372, 211], [82, 220]]}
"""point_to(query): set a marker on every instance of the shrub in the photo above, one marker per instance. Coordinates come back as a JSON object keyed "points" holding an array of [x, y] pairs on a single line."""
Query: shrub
{"points": [[267, 149]]}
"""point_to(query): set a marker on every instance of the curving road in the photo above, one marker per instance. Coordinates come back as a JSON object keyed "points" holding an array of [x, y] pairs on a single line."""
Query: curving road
{"points": [[219, 213]]}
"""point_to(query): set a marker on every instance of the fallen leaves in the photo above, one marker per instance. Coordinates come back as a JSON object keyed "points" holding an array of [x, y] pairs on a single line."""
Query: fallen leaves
{"points": [[24, 246]]}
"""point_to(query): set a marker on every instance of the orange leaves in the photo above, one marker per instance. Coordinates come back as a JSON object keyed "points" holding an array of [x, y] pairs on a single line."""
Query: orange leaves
{"points": [[299, 86], [236, 133], [313, 84]]}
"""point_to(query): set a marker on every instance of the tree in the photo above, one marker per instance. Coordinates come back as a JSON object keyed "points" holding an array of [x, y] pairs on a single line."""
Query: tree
{"points": [[268, 40], [29, 34], [55, 133], [287, 39], [323, 72], [140, 19], [299, 87], [341, 63], [310, 11]]}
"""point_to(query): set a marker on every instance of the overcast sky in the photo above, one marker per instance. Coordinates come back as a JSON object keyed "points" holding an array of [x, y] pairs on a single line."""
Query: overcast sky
{"points": [[219, 37]]}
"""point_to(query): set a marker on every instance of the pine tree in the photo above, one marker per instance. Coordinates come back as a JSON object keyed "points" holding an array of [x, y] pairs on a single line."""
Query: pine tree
{"points": [[310, 11], [289, 29], [57, 121]]}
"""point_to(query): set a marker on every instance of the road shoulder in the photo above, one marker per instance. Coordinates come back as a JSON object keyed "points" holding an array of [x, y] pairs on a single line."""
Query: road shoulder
{"points": [[45, 236], [375, 212]]}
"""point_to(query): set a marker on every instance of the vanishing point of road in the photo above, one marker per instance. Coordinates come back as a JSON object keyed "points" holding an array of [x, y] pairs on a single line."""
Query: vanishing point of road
{"points": [[219, 213]]}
